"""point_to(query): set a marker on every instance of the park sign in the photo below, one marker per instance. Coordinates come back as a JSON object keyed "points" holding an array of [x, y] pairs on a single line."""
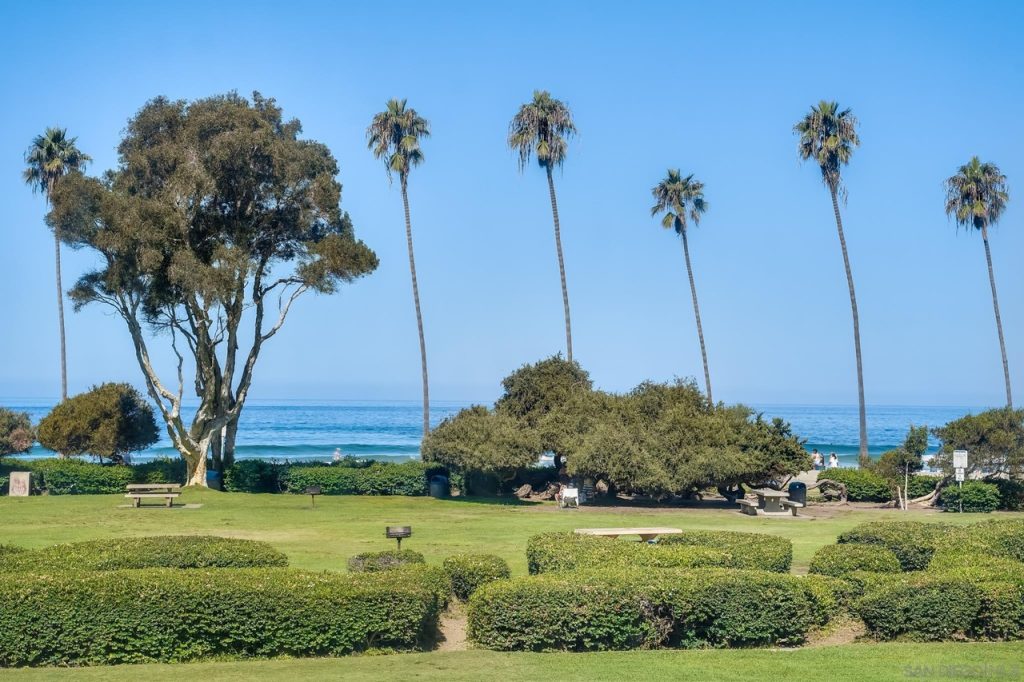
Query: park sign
{"points": [[20, 484], [959, 459], [960, 474]]}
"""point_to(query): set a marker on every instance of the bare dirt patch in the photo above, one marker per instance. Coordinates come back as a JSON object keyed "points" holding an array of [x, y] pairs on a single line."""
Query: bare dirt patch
{"points": [[453, 628]]}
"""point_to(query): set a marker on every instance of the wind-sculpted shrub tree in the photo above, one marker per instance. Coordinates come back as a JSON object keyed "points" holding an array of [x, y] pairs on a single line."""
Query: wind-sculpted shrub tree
{"points": [[16, 434], [216, 220], [110, 420], [896, 465], [481, 440], [994, 439]]}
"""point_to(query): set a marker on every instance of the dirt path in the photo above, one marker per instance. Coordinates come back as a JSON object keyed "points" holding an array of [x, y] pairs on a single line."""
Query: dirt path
{"points": [[453, 628]]}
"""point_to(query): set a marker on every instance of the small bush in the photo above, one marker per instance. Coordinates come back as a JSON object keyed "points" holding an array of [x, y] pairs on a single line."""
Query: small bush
{"points": [[757, 551], [831, 596], [377, 478], [467, 572], [551, 552], [929, 609], [1002, 538], [839, 560], [635, 609], [168, 551], [90, 618], [912, 542], [862, 485], [161, 470], [972, 496], [109, 420], [373, 562], [921, 485], [254, 476], [74, 477]]}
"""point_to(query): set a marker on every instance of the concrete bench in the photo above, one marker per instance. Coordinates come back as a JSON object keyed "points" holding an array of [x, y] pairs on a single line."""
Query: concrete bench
{"points": [[747, 507], [792, 506], [646, 534], [138, 497]]}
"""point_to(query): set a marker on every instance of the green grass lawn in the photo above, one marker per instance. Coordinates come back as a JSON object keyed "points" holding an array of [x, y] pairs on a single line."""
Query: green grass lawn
{"points": [[324, 536]]}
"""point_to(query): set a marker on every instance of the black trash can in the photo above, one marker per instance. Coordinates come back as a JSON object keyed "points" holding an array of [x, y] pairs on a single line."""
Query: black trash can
{"points": [[439, 486], [798, 492]]}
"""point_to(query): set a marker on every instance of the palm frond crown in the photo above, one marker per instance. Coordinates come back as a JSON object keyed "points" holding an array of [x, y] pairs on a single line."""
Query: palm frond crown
{"points": [[976, 195], [394, 136], [541, 127], [679, 199], [50, 157], [828, 135]]}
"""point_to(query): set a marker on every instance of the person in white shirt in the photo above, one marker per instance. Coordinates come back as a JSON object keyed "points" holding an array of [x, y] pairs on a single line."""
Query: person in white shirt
{"points": [[833, 461]]}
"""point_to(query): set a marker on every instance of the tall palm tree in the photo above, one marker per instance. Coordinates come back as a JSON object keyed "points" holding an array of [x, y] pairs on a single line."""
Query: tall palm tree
{"points": [[675, 197], [541, 127], [51, 156], [394, 137], [975, 198], [828, 135]]}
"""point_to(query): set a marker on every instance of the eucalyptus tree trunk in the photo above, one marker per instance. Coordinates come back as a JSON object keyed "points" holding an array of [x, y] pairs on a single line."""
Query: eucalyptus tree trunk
{"points": [[419, 313], [863, 456], [999, 320], [696, 313], [561, 264]]}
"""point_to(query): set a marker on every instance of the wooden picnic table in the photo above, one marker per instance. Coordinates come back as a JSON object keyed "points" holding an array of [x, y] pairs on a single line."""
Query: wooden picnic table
{"points": [[644, 533], [139, 491]]}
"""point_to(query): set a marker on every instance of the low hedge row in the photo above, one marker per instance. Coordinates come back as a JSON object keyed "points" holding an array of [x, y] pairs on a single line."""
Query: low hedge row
{"points": [[379, 478], [168, 551], [374, 562], [841, 560], [864, 485], [629, 609], [912, 542], [551, 552], [467, 572], [79, 477], [79, 618]]}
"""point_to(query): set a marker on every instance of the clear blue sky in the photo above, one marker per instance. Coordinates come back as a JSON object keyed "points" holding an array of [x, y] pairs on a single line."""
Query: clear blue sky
{"points": [[713, 88]]}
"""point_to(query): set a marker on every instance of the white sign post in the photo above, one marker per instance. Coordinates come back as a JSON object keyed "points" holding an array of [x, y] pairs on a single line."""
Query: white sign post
{"points": [[960, 464], [19, 484]]}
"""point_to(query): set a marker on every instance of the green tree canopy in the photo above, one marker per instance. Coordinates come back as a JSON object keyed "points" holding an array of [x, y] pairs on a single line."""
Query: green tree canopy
{"points": [[16, 434], [478, 439], [217, 214], [994, 441], [109, 420]]}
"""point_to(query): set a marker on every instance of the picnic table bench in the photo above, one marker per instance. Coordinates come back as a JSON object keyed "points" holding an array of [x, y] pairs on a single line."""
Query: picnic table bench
{"points": [[645, 534], [770, 502], [139, 491]]}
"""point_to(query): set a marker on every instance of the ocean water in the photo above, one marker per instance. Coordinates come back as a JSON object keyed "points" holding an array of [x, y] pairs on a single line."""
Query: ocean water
{"points": [[303, 430]]}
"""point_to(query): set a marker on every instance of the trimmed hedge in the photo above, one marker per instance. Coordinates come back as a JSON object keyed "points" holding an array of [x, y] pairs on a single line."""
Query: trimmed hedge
{"points": [[830, 596], [74, 477], [945, 606], [91, 618], [378, 478], [912, 542], [1011, 494], [374, 562], [254, 476], [864, 485], [839, 560], [695, 549], [757, 551], [467, 572], [975, 496], [642, 609], [167, 551]]}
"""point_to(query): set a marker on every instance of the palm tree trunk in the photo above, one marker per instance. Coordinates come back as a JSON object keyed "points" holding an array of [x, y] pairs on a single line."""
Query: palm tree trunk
{"points": [[863, 457], [419, 314], [999, 320], [561, 264], [60, 318], [696, 313]]}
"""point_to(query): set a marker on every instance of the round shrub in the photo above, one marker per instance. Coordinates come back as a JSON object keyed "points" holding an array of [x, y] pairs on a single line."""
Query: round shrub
{"points": [[467, 572], [757, 551], [830, 596], [91, 618], [972, 496], [629, 609], [166, 551], [373, 562], [839, 560], [912, 542], [930, 609]]}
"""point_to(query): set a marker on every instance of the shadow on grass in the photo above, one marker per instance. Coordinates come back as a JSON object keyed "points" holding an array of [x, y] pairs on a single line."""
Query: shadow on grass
{"points": [[492, 501]]}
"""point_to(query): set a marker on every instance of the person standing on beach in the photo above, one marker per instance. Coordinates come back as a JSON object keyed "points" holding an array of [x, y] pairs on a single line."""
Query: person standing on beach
{"points": [[833, 461], [817, 459]]}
